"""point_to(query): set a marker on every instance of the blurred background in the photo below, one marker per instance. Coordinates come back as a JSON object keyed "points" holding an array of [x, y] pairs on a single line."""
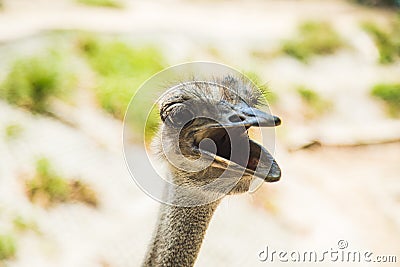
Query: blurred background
{"points": [[68, 69]]}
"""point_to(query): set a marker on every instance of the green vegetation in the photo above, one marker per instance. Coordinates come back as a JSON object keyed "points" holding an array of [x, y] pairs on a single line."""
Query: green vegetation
{"points": [[213, 51], [390, 95], [379, 2], [33, 81], [270, 96], [47, 188], [8, 247], [114, 94], [315, 38], [21, 224], [122, 69], [110, 58], [152, 123], [264, 54], [387, 41], [13, 131], [81, 192], [102, 3], [316, 104]]}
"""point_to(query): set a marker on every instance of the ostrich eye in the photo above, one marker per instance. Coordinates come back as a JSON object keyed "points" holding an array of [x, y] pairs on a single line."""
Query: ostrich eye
{"points": [[180, 116]]}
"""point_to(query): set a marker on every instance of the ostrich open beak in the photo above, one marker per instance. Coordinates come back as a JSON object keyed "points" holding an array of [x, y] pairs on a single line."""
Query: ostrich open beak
{"points": [[232, 149]]}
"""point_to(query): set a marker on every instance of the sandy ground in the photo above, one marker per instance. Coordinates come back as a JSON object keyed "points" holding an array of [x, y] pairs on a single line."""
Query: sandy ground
{"points": [[326, 194]]}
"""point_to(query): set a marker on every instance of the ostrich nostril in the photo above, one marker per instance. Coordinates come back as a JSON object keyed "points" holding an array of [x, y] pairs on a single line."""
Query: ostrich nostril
{"points": [[277, 121], [236, 118]]}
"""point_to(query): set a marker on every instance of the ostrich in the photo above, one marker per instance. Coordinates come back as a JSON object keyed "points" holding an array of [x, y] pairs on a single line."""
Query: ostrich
{"points": [[205, 123]]}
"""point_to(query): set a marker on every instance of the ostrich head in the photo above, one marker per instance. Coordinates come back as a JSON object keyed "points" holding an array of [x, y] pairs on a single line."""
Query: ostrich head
{"points": [[204, 135]]}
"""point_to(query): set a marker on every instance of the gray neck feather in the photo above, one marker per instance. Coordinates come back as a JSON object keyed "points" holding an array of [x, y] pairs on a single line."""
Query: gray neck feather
{"points": [[179, 234]]}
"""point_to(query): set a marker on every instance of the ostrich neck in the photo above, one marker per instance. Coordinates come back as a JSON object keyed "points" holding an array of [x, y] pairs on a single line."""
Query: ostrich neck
{"points": [[179, 234]]}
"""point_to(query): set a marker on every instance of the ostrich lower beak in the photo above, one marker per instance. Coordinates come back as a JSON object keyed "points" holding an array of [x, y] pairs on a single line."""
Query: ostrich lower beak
{"points": [[235, 151]]}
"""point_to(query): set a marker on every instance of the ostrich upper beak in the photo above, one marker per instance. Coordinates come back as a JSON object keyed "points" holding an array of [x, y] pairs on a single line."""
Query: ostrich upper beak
{"points": [[233, 150]]}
